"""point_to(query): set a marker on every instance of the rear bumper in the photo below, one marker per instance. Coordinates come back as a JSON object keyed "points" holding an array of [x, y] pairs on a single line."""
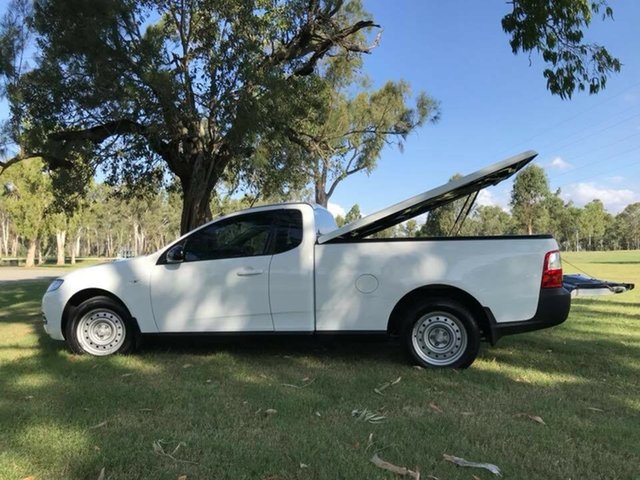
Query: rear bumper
{"points": [[553, 309]]}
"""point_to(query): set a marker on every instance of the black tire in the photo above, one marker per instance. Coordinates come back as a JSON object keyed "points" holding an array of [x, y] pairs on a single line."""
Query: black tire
{"points": [[109, 328], [441, 333]]}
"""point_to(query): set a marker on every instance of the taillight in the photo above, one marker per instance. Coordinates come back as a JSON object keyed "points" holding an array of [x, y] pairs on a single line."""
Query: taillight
{"points": [[552, 270]]}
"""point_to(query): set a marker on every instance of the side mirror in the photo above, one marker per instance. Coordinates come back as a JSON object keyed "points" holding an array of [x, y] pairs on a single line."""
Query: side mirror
{"points": [[175, 254]]}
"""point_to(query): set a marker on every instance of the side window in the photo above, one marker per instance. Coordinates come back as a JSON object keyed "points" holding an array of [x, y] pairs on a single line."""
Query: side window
{"points": [[288, 230], [242, 236]]}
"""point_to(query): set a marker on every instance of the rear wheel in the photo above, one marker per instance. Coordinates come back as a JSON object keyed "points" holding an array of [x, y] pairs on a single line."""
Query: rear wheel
{"points": [[100, 326], [441, 333]]}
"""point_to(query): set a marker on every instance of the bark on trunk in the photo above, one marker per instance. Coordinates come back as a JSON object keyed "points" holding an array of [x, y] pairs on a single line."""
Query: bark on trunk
{"points": [[320, 184], [5, 236], [61, 236], [14, 246], [321, 197], [196, 195], [31, 252], [75, 249]]}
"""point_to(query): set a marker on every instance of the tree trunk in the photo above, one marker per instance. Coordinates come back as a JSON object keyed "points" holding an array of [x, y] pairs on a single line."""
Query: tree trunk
{"points": [[61, 236], [40, 261], [31, 252], [5, 236], [530, 227], [320, 173], [75, 249], [196, 195], [321, 197], [14, 246]]}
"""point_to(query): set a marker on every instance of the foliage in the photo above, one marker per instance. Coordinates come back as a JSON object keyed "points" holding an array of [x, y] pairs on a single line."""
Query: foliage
{"points": [[555, 30], [346, 135], [190, 87], [528, 197], [32, 196], [491, 220]]}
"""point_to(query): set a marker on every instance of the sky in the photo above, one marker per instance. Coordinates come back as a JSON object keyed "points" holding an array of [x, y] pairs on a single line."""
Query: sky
{"points": [[495, 104]]}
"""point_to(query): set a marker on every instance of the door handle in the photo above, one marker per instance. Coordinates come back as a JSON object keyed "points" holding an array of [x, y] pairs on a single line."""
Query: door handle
{"points": [[249, 272]]}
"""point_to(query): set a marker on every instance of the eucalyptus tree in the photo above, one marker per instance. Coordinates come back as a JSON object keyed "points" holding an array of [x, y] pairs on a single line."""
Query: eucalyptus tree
{"points": [[190, 86], [346, 135], [529, 198], [28, 203]]}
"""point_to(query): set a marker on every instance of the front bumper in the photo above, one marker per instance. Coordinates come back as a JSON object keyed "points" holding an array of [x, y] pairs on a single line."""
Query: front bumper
{"points": [[52, 308], [553, 309]]}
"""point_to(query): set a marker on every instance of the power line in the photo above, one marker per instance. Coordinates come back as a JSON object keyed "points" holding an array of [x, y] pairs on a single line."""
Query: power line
{"points": [[573, 117], [598, 160]]}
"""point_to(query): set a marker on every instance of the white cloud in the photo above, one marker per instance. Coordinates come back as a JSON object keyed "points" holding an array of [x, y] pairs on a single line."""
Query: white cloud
{"points": [[613, 199], [488, 198], [336, 210], [485, 199], [559, 164]]}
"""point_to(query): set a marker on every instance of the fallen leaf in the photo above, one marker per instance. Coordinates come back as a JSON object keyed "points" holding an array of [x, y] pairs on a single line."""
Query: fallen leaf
{"points": [[475, 477], [187, 365], [29, 397], [270, 411], [29, 478], [356, 445], [126, 374], [435, 408], [304, 465], [208, 380], [146, 410], [318, 414], [368, 416], [158, 449], [182, 477], [386, 385], [99, 425], [418, 367], [305, 379], [101, 476], [534, 418], [466, 414], [595, 409], [404, 471], [466, 463], [96, 448], [299, 386]]}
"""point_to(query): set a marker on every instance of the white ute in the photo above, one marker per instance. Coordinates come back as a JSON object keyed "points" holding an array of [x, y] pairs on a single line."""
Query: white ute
{"points": [[288, 268]]}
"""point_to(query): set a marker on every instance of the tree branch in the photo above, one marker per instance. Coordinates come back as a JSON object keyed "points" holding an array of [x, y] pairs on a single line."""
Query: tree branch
{"points": [[99, 133], [4, 164]]}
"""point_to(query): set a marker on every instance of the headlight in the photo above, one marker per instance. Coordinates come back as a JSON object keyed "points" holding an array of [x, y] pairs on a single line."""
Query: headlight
{"points": [[55, 285]]}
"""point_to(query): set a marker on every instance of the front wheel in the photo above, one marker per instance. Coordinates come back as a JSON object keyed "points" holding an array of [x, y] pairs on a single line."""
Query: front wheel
{"points": [[100, 326], [442, 334]]}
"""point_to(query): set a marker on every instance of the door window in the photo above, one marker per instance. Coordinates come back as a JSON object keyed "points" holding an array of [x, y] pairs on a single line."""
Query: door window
{"points": [[242, 236], [288, 231]]}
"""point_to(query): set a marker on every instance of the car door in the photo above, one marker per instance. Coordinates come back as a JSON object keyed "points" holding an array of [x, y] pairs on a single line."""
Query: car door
{"points": [[221, 283]]}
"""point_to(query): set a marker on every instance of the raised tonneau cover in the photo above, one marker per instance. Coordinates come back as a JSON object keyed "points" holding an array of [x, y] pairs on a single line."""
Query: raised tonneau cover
{"points": [[419, 204]]}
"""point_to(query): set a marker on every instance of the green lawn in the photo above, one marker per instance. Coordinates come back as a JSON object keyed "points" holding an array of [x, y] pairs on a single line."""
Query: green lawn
{"points": [[67, 417]]}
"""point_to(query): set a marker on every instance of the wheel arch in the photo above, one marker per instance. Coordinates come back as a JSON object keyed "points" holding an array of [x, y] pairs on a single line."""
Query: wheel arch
{"points": [[397, 316], [76, 300]]}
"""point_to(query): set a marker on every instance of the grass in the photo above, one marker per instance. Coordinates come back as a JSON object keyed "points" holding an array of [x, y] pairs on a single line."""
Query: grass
{"points": [[67, 417]]}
